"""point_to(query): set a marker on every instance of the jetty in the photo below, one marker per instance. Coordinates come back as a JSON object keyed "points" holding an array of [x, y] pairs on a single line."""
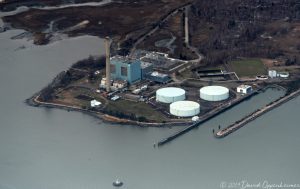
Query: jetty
{"points": [[239, 124]]}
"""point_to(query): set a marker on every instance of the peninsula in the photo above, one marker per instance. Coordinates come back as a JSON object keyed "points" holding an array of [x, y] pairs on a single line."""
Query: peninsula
{"points": [[167, 62]]}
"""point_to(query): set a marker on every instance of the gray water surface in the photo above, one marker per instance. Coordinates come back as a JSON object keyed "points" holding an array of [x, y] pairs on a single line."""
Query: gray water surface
{"points": [[49, 149]]}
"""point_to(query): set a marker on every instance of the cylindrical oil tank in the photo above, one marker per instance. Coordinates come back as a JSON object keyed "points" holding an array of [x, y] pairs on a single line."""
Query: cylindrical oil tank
{"points": [[185, 108], [170, 94], [214, 93]]}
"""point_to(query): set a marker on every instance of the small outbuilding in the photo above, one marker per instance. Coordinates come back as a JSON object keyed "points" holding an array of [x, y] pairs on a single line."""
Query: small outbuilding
{"points": [[195, 118], [272, 73], [244, 89], [95, 104]]}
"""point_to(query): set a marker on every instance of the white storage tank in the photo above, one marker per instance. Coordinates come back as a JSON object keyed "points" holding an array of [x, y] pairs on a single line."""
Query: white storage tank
{"points": [[284, 74], [214, 93], [170, 94], [184, 108]]}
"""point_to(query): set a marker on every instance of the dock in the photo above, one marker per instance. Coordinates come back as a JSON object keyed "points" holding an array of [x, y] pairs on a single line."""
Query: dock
{"points": [[239, 124], [206, 118]]}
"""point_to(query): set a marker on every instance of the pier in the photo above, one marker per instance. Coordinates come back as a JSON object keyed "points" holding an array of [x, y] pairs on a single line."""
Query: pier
{"points": [[239, 124], [206, 117]]}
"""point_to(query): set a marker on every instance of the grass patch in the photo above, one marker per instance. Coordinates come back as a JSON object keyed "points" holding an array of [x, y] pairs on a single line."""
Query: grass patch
{"points": [[139, 109], [248, 67], [78, 96]]}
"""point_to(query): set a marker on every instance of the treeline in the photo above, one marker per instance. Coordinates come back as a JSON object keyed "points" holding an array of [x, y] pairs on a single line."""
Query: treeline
{"points": [[91, 63], [247, 10], [48, 92], [65, 78], [292, 61], [122, 115], [235, 28], [62, 80]]}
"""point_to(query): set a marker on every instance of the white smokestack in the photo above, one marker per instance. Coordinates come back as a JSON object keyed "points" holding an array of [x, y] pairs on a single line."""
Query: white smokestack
{"points": [[107, 49]]}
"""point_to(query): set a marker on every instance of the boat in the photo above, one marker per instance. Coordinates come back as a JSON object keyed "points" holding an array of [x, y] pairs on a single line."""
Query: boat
{"points": [[117, 183]]}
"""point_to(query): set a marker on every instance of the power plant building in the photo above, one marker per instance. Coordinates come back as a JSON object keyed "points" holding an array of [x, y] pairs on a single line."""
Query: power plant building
{"points": [[147, 68], [214, 93], [170, 95], [158, 77], [124, 68], [184, 108]]}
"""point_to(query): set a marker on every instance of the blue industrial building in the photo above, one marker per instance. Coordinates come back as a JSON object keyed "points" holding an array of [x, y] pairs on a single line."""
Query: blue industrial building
{"points": [[147, 68], [123, 68]]}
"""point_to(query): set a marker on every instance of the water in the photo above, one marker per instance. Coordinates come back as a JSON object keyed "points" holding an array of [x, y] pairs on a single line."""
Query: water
{"points": [[25, 8], [50, 149]]}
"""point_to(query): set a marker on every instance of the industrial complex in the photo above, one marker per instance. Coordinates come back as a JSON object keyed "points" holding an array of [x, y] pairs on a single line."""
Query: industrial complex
{"points": [[158, 76], [146, 77], [150, 87]]}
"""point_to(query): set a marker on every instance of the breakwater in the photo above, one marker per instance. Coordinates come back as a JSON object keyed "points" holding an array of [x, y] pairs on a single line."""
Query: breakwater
{"points": [[239, 124]]}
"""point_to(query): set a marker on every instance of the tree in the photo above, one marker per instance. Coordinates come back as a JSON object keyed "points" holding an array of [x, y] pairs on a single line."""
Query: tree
{"points": [[142, 119]]}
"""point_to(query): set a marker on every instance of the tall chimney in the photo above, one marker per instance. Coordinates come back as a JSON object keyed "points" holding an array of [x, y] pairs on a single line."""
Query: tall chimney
{"points": [[186, 26], [107, 48]]}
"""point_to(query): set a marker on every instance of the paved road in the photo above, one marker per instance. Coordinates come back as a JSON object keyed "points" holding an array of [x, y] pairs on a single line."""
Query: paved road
{"points": [[164, 19]]}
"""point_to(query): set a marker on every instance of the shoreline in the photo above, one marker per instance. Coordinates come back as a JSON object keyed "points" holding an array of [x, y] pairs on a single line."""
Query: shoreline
{"points": [[34, 102]]}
